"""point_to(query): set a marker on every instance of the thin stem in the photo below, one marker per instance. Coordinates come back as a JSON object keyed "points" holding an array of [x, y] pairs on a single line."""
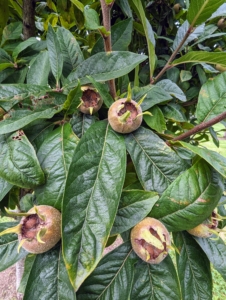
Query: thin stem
{"points": [[168, 66], [199, 127], [106, 12]]}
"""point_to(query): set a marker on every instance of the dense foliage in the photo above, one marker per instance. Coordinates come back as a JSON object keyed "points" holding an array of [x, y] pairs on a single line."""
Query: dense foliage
{"points": [[171, 54]]}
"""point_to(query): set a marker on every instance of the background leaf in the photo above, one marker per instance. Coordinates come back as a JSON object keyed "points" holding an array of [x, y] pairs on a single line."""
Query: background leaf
{"points": [[55, 55], [19, 165], [134, 206], [202, 57], [55, 155], [172, 88], [8, 247], [43, 282], [22, 46], [117, 283], [73, 100], [193, 268], [81, 123], [158, 166], [156, 281], [105, 66], [39, 69], [212, 98], [157, 120], [216, 253], [190, 199], [92, 194], [5, 187]]}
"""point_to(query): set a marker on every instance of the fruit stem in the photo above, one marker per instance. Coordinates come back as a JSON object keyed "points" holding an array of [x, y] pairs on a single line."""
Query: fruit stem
{"points": [[123, 118]]}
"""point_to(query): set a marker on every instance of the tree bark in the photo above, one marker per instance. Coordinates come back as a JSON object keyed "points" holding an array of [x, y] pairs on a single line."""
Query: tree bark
{"points": [[28, 18]]}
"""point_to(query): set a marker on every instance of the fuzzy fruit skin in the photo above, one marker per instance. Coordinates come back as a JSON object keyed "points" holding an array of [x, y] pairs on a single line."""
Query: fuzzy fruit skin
{"points": [[53, 234], [86, 110], [221, 23], [131, 124], [136, 233], [203, 229], [177, 8], [220, 68]]}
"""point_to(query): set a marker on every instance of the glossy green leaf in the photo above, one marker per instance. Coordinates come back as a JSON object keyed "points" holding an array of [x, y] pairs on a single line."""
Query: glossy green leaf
{"points": [[212, 98], [138, 6], [21, 118], [200, 11], [72, 54], [202, 57], [121, 34], [4, 56], [221, 11], [157, 120], [78, 4], [81, 122], [5, 187], [124, 4], [157, 165], [154, 95], [39, 69], [134, 206], [29, 261], [103, 91], [55, 155], [216, 253], [6, 65], [174, 111], [92, 193], [8, 247], [105, 66], [172, 88], [92, 21], [73, 100], [19, 163], [112, 278], [22, 46], [216, 160], [190, 199], [155, 282], [48, 278], [193, 268], [12, 31], [55, 55]]}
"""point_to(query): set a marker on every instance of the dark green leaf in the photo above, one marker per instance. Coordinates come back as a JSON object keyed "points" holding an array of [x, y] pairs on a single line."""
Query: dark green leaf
{"points": [[93, 188], [22, 46], [134, 207], [21, 118], [200, 11], [216, 160], [48, 278], [112, 278], [4, 57], [172, 88], [72, 54], [81, 122], [202, 57], [73, 100], [8, 247], [12, 31], [157, 120], [19, 163], [105, 66], [216, 253], [212, 98], [5, 187], [39, 69], [55, 55], [174, 111], [154, 95], [157, 165], [29, 261], [193, 269], [92, 20], [121, 34], [190, 199], [156, 282], [55, 155]]}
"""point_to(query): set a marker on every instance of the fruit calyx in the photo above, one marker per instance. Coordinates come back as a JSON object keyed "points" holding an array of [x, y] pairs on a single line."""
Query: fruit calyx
{"points": [[150, 240], [91, 101], [39, 229]]}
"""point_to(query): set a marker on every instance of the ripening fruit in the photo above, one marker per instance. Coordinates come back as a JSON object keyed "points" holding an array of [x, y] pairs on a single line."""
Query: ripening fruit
{"points": [[39, 229], [221, 23], [220, 68], [91, 101], [150, 240], [177, 8], [125, 115], [206, 228]]}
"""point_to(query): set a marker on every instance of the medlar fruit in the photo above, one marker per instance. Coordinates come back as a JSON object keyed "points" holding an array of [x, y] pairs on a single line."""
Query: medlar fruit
{"points": [[91, 101]]}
